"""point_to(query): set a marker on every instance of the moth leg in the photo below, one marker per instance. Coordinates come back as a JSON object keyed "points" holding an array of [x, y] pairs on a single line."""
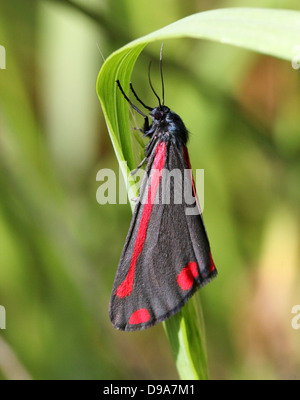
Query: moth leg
{"points": [[139, 130], [150, 146], [146, 125], [135, 199], [145, 128], [138, 167]]}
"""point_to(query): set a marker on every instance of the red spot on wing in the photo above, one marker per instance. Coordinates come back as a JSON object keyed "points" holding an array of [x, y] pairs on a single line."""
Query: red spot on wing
{"points": [[139, 316], [159, 161], [187, 276], [212, 264]]}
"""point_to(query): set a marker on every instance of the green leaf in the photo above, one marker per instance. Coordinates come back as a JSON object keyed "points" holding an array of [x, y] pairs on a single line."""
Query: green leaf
{"points": [[267, 31], [185, 332]]}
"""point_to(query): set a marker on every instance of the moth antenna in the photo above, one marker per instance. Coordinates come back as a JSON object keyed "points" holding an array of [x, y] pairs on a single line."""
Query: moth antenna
{"points": [[149, 78], [162, 77], [129, 101], [138, 99]]}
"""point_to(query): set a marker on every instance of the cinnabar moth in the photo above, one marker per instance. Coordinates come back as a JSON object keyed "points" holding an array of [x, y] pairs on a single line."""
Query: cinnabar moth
{"points": [[166, 256]]}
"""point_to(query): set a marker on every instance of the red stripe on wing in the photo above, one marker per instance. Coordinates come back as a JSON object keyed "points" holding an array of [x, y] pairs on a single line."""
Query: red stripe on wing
{"points": [[188, 163], [159, 161], [212, 264]]}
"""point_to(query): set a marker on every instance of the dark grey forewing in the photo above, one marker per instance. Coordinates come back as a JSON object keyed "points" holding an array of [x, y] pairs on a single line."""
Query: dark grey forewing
{"points": [[173, 242]]}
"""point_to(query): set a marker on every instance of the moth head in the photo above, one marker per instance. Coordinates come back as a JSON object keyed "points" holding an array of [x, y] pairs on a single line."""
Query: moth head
{"points": [[159, 113]]}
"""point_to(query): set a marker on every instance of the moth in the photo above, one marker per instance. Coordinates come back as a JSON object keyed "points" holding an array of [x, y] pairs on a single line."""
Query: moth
{"points": [[166, 256]]}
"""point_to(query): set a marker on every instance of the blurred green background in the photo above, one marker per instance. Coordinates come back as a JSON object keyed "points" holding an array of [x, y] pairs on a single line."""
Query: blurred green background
{"points": [[60, 248]]}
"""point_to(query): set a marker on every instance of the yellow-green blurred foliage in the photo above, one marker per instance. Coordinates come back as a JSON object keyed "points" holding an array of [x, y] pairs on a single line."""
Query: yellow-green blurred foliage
{"points": [[60, 248]]}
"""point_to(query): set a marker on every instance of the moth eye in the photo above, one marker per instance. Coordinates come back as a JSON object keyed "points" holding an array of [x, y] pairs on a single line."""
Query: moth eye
{"points": [[158, 115]]}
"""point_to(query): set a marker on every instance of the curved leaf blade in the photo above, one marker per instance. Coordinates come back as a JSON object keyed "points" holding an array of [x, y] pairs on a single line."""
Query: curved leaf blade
{"points": [[271, 32]]}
